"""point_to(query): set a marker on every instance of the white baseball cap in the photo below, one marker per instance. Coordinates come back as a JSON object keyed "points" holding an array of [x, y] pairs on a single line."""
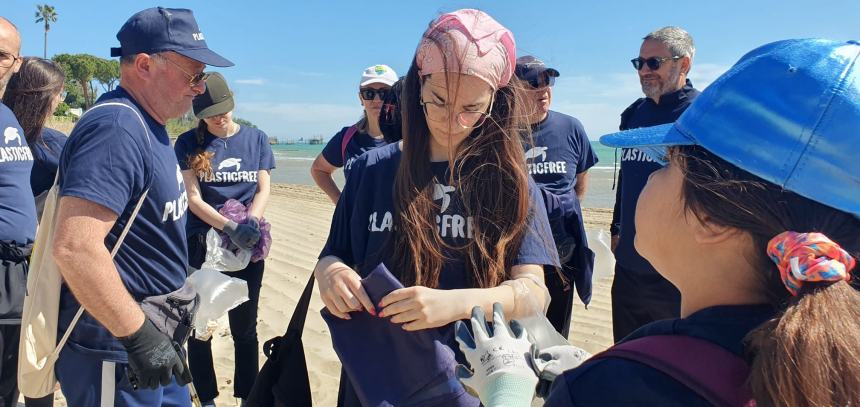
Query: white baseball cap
{"points": [[378, 74]]}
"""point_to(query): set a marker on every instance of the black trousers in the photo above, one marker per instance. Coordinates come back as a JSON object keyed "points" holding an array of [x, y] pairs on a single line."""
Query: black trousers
{"points": [[639, 299], [243, 328]]}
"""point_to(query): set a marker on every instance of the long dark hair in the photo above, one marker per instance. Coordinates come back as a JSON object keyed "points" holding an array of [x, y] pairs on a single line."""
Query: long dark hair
{"points": [[809, 354], [30, 94], [490, 173]]}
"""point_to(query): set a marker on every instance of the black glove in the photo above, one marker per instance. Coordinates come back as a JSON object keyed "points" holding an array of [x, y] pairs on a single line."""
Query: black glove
{"points": [[244, 235], [153, 358]]}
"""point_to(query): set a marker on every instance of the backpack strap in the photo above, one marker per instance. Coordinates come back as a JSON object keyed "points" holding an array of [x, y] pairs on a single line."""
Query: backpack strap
{"points": [[350, 132], [712, 372], [125, 230]]}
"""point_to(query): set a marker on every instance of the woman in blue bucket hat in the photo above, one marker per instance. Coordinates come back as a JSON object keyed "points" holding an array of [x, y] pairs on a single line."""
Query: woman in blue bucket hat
{"points": [[756, 219]]}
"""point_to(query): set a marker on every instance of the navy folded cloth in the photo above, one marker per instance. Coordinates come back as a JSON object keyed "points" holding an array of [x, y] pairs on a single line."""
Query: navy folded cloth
{"points": [[388, 366]]}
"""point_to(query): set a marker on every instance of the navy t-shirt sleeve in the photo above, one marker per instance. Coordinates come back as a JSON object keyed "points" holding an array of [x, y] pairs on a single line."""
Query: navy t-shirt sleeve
{"points": [[587, 158], [104, 165], [332, 151], [184, 147], [340, 242], [267, 158], [538, 246]]}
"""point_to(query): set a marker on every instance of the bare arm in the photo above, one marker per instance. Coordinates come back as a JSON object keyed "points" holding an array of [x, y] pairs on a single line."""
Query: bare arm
{"points": [[321, 171], [504, 294], [198, 206], [86, 265], [581, 185], [261, 197]]}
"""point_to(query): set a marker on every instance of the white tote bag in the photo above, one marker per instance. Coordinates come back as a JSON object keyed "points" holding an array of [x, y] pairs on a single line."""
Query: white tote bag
{"points": [[39, 349]]}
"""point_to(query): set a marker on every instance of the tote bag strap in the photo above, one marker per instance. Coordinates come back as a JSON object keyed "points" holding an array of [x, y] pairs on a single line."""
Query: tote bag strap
{"points": [[297, 322], [125, 230]]}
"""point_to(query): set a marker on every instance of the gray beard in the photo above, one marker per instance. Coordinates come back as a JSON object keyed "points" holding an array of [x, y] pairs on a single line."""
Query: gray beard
{"points": [[654, 92]]}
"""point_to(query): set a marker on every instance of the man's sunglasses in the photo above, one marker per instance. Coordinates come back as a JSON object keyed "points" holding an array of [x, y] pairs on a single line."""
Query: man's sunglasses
{"points": [[653, 63], [369, 94], [541, 81], [193, 79]]}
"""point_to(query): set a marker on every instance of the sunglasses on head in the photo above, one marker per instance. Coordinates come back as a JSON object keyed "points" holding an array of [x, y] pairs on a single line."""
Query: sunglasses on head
{"points": [[369, 94], [653, 63]]}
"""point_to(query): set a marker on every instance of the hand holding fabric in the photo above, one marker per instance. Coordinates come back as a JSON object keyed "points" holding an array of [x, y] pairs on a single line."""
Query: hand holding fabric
{"points": [[341, 291], [501, 373], [420, 307]]}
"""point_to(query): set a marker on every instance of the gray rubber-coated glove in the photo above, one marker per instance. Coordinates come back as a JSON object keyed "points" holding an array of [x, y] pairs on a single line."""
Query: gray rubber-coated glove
{"points": [[244, 235], [153, 358]]}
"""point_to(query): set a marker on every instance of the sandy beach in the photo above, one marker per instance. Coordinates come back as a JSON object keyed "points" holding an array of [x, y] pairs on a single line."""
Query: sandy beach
{"points": [[300, 217]]}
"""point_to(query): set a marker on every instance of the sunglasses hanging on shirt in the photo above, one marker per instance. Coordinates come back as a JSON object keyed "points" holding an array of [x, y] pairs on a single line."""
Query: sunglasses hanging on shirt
{"points": [[369, 94], [653, 63]]}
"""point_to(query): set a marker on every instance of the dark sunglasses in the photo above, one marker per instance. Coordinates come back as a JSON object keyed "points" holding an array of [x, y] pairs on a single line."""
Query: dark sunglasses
{"points": [[541, 81], [369, 94], [653, 63]]}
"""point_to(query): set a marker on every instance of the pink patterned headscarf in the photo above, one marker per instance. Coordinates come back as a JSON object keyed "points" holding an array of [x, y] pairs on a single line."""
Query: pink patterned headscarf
{"points": [[473, 43]]}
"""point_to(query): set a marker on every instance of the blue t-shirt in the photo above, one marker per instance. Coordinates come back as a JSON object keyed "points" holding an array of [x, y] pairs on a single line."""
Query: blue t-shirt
{"points": [[46, 158], [358, 145], [636, 167], [364, 219], [17, 208], [622, 382], [234, 167], [110, 159], [560, 150]]}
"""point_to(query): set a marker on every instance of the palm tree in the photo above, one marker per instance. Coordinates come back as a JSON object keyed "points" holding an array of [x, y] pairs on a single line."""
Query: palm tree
{"points": [[46, 14]]}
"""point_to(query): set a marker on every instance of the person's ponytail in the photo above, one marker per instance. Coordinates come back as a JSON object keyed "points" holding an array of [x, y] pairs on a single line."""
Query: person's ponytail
{"points": [[809, 356], [201, 161]]}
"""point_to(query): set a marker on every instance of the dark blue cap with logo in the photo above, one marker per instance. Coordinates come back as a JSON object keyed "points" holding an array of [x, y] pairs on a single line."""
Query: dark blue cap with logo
{"points": [[531, 69], [161, 29]]}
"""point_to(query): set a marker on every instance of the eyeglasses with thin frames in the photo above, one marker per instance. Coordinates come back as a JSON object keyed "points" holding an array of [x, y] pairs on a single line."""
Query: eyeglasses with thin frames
{"points": [[193, 80], [7, 59], [653, 63], [438, 112]]}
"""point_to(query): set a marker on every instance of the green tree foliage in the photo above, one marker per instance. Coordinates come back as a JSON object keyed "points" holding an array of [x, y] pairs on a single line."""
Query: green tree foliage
{"points": [[46, 14], [243, 122], [81, 71], [107, 73]]}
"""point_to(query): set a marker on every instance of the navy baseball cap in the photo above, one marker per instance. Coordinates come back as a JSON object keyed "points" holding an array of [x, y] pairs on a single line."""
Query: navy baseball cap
{"points": [[160, 29], [531, 70], [787, 112]]}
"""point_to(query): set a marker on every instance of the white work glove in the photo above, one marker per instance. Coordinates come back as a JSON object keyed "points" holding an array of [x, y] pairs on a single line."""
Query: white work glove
{"points": [[501, 359], [551, 362]]}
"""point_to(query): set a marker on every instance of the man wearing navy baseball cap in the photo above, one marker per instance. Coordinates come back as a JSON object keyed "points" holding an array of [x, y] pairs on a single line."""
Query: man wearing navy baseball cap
{"points": [[559, 157], [120, 233]]}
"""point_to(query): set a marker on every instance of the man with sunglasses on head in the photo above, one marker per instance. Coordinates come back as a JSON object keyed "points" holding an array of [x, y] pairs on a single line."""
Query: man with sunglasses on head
{"points": [[118, 162], [558, 156], [639, 294]]}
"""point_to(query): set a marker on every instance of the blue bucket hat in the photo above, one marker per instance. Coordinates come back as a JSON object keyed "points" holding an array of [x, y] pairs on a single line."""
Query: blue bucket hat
{"points": [[787, 112], [161, 29]]}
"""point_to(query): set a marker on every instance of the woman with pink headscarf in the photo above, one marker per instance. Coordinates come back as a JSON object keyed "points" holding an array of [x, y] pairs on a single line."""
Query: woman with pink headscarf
{"points": [[450, 210]]}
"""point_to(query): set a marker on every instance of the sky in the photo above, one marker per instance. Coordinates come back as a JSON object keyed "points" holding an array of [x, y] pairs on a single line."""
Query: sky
{"points": [[298, 63]]}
